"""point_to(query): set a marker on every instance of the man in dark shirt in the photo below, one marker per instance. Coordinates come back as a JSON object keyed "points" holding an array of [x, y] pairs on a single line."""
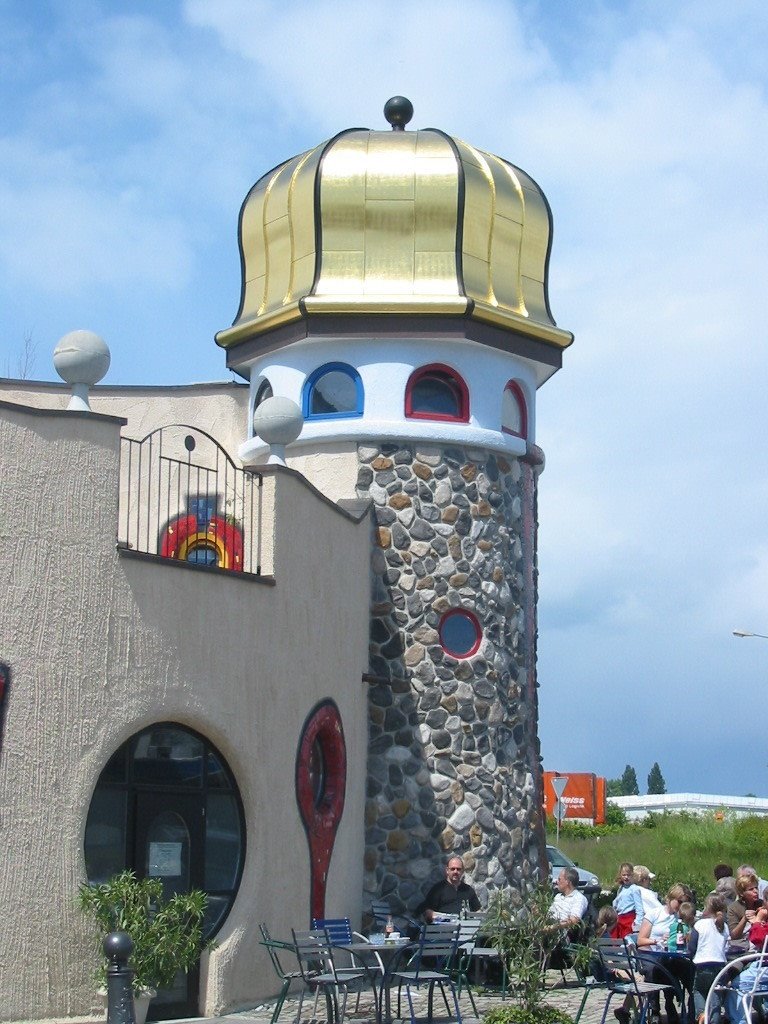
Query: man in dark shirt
{"points": [[447, 897]]}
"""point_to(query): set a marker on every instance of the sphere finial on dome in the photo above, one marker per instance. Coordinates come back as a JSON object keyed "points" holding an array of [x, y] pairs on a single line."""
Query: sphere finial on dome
{"points": [[398, 111]]}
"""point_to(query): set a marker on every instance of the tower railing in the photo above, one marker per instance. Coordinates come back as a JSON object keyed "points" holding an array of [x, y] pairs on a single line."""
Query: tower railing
{"points": [[183, 498]]}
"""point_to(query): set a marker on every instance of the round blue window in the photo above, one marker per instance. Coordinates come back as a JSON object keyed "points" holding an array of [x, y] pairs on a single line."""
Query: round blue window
{"points": [[460, 633]]}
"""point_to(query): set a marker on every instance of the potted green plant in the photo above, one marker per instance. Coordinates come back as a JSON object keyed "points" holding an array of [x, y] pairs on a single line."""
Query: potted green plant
{"points": [[520, 929], [167, 934]]}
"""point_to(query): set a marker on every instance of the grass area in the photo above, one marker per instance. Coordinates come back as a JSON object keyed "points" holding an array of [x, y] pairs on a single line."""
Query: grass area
{"points": [[676, 847]]}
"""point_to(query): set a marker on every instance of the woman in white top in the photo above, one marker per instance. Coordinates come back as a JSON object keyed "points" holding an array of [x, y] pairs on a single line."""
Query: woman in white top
{"points": [[653, 937], [707, 945], [643, 878], [654, 931]]}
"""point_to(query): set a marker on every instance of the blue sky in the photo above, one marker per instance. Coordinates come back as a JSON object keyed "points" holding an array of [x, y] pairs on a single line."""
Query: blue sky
{"points": [[132, 131]]}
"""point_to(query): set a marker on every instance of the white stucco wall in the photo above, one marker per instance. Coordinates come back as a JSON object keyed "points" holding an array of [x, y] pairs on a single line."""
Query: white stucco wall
{"points": [[384, 366], [218, 407], [101, 646]]}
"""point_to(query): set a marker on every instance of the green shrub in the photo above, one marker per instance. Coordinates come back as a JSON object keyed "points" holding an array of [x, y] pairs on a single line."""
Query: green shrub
{"points": [[751, 835], [615, 815], [542, 1014], [520, 929], [167, 934]]}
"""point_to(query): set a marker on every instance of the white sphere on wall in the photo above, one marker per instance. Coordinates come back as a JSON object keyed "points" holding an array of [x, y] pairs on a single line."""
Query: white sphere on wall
{"points": [[81, 357]]}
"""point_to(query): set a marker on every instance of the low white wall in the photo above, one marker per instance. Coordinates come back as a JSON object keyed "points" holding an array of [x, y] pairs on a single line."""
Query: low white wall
{"points": [[636, 807]]}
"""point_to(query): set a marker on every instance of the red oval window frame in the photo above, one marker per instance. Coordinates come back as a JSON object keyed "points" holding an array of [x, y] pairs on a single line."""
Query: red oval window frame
{"points": [[321, 817], [466, 614]]}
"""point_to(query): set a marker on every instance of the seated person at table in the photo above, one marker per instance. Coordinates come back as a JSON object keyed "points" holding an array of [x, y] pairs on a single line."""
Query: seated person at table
{"points": [[686, 919], [569, 905], [567, 912], [447, 897], [653, 937]]}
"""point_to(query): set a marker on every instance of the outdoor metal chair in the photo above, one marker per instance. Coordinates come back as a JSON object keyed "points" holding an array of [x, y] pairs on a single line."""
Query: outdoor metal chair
{"points": [[465, 949], [430, 965], [320, 973], [677, 973], [622, 974], [380, 912], [723, 990], [274, 948], [339, 932]]}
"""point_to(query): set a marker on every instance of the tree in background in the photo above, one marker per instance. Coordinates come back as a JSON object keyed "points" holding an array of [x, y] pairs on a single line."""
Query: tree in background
{"points": [[629, 786], [24, 364], [656, 783], [613, 787]]}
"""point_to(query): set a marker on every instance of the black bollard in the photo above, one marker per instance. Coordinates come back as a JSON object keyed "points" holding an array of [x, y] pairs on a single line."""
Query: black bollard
{"points": [[117, 947]]}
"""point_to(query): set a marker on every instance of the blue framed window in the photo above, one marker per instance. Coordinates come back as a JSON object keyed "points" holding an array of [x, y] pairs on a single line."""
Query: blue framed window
{"points": [[333, 391]]}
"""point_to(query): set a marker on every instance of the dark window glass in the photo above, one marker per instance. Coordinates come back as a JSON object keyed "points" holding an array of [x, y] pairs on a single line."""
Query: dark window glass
{"points": [[217, 776], [215, 912], [105, 835], [264, 392], [459, 633], [335, 391], [222, 841], [168, 756], [115, 770], [435, 396], [203, 555], [317, 771], [165, 765]]}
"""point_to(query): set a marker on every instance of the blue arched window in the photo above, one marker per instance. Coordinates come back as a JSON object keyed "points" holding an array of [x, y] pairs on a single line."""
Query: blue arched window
{"points": [[333, 391]]}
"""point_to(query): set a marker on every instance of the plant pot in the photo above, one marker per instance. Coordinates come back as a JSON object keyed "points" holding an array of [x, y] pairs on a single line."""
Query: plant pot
{"points": [[141, 1002]]}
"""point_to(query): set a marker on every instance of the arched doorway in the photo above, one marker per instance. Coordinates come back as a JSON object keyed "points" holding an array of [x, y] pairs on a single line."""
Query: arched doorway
{"points": [[167, 806]]}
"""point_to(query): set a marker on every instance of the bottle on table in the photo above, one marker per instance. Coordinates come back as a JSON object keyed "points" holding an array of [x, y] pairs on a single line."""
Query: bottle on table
{"points": [[389, 927], [680, 937], [464, 910]]}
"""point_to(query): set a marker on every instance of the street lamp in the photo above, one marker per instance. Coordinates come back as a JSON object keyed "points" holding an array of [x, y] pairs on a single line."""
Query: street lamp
{"points": [[744, 632]]}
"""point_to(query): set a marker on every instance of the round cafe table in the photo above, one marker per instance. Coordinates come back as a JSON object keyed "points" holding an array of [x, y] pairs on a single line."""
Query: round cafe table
{"points": [[390, 954]]}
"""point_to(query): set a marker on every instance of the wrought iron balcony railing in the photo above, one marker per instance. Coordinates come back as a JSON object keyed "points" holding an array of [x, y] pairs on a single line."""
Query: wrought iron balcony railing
{"points": [[182, 498]]}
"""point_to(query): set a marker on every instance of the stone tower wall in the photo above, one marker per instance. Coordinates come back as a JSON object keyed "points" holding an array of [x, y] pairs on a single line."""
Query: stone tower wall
{"points": [[453, 761]]}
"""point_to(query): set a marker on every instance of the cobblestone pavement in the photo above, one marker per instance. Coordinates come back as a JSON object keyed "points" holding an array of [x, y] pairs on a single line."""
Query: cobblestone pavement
{"points": [[567, 998]]}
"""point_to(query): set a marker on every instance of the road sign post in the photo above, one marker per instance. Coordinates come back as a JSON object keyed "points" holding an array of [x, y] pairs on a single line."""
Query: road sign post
{"points": [[558, 784]]}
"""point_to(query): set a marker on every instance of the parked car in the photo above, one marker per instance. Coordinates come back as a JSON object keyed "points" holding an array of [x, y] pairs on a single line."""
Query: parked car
{"points": [[589, 883]]}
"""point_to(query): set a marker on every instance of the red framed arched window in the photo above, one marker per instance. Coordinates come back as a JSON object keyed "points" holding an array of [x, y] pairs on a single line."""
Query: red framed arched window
{"points": [[514, 411], [437, 392]]}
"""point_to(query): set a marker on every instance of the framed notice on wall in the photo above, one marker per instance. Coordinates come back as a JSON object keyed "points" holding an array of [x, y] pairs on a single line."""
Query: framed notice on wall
{"points": [[164, 860]]}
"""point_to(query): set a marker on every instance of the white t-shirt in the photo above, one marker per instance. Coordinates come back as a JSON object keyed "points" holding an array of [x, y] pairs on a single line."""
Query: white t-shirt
{"points": [[572, 905], [651, 901], [711, 944], [661, 921]]}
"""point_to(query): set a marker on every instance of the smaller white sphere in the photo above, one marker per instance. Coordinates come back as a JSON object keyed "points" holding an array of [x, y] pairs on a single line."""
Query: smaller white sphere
{"points": [[278, 420], [81, 357]]}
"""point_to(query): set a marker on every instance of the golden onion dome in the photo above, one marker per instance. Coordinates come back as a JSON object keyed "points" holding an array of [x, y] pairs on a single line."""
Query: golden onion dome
{"points": [[395, 222]]}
